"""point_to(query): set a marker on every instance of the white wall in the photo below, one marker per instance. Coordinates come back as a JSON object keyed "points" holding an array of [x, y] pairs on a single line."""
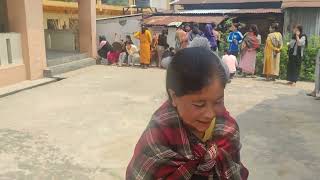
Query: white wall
{"points": [[10, 49], [108, 28]]}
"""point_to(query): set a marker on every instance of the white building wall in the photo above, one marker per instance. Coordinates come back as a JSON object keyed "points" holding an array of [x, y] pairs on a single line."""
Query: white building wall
{"points": [[10, 49], [122, 26]]}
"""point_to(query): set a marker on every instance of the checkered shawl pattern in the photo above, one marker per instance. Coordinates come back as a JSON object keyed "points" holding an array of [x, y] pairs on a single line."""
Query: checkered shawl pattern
{"points": [[168, 150]]}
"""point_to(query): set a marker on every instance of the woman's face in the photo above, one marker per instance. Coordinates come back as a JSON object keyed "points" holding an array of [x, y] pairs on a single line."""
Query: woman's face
{"points": [[197, 110], [233, 28], [188, 28], [271, 29], [296, 30]]}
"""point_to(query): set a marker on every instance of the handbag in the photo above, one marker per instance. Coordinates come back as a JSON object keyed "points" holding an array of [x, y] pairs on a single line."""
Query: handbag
{"points": [[291, 50]]}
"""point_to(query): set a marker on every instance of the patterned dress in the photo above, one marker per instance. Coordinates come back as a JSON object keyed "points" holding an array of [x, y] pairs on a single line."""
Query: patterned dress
{"points": [[272, 54]]}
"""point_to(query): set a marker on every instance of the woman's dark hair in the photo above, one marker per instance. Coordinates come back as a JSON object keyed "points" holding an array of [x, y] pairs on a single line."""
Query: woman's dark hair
{"points": [[237, 25], [275, 27], [214, 25], [129, 43], [192, 69], [143, 29], [254, 28], [102, 38], [300, 27], [128, 37]]}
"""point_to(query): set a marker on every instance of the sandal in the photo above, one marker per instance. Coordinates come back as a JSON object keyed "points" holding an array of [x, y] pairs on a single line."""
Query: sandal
{"points": [[312, 94]]}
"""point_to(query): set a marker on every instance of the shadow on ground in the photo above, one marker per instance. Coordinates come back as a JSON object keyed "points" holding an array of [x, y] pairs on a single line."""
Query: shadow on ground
{"points": [[280, 138]]}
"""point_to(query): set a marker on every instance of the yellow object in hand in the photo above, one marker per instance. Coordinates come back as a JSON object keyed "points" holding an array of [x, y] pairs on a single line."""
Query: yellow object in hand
{"points": [[209, 132]]}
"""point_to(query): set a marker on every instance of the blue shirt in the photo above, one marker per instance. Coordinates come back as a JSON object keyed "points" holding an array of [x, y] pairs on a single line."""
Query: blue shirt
{"points": [[234, 45]]}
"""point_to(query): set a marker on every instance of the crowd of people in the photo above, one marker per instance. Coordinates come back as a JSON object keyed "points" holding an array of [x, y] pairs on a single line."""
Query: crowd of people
{"points": [[152, 48], [239, 57]]}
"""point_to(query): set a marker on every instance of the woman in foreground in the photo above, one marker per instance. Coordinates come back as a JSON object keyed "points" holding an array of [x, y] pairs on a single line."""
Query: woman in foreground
{"points": [[192, 135]]}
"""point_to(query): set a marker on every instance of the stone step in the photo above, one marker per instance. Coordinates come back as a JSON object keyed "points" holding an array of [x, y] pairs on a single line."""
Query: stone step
{"points": [[67, 59], [67, 67]]}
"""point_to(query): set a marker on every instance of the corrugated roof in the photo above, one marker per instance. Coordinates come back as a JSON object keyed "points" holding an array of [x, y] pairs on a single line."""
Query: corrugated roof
{"points": [[229, 11], [119, 17], [165, 20], [301, 3], [221, 1]]}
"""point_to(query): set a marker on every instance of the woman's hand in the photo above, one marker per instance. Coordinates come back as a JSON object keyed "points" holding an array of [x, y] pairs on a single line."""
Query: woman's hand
{"points": [[298, 33]]}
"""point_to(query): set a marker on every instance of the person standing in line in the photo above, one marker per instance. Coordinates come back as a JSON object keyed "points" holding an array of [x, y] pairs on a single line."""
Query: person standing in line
{"points": [[162, 43], [145, 46], [208, 33], [296, 52], [234, 39], [187, 28], [272, 53], [154, 49], [181, 39], [216, 34], [194, 32], [249, 51]]}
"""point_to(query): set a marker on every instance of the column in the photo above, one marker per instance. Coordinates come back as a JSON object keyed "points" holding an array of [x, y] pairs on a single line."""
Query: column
{"points": [[87, 27], [26, 17]]}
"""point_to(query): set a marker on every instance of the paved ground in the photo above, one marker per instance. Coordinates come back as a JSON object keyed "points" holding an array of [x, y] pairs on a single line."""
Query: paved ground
{"points": [[85, 127]]}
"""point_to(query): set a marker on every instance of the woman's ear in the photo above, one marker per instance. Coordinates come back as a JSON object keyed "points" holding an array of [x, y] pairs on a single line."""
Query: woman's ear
{"points": [[173, 97]]}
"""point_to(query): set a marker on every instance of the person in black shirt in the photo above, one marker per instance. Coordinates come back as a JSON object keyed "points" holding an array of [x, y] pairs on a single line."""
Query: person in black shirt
{"points": [[162, 42]]}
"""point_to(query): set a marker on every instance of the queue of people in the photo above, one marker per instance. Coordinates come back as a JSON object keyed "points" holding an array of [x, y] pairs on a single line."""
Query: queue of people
{"points": [[244, 47]]}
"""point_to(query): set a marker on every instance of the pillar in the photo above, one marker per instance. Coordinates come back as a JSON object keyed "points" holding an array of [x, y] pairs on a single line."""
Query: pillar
{"points": [[26, 17], [87, 27]]}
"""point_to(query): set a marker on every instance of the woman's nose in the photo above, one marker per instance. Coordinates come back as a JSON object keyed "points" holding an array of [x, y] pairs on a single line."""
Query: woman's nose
{"points": [[210, 112]]}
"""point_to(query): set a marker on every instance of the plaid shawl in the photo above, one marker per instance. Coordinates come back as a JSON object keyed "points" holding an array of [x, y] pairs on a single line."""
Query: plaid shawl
{"points": [[251, 40], [168, 150]]}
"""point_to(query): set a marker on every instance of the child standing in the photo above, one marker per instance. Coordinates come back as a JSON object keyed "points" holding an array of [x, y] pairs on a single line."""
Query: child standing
{"points": [[235, 38]]}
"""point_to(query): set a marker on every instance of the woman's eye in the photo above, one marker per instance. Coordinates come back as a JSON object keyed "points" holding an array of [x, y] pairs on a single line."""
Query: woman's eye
{"points": [[219, 102], [199, 105]]}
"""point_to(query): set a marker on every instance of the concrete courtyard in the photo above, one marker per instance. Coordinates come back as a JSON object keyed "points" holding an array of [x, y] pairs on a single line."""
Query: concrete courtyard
{"points": [[86, 126]]}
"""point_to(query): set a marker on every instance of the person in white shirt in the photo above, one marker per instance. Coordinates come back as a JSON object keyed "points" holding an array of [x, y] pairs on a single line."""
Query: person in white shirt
{"points": [[133, 54], [231, 61]]}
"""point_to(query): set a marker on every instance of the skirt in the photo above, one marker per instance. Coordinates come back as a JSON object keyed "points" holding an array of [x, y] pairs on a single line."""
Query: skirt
{"points": [[294, 67], [248, 61]]}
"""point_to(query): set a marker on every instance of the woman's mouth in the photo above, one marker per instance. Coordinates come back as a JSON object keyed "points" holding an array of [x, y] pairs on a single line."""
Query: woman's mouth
{"points": [[205, 122]]}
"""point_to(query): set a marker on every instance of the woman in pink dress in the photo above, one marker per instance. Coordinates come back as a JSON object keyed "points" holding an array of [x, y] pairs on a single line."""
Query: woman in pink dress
{"points": [[249, 51]]}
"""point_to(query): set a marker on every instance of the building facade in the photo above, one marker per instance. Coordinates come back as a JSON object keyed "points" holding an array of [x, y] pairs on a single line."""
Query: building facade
{"points": [[22, 40], [306, 13]]}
